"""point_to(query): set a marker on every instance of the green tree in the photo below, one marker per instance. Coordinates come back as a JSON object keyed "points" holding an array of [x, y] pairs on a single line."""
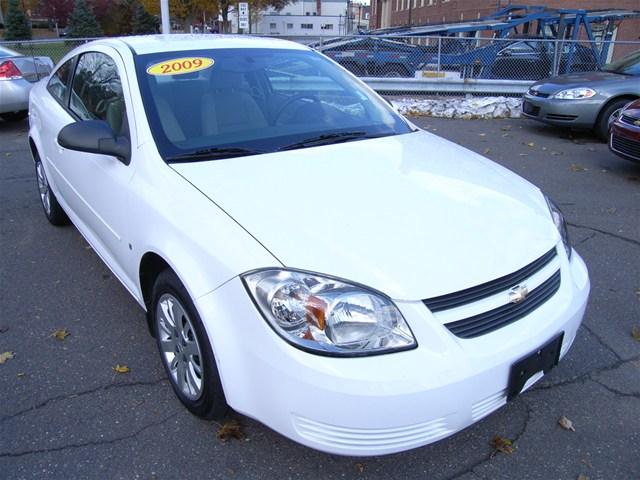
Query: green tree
{"points": [[16, 25], [144, 22], [82, 22]]}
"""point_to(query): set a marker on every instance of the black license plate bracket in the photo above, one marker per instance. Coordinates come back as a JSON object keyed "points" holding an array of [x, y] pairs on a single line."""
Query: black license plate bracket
{"points": [[543, 359]]}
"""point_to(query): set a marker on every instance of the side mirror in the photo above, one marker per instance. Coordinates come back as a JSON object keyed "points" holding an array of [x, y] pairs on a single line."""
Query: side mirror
{"points": [[507, 52], [95, 136]]}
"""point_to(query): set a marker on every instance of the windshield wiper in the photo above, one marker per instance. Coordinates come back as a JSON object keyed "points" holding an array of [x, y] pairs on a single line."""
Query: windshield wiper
{"points": [[329, 138], [215, 153]]}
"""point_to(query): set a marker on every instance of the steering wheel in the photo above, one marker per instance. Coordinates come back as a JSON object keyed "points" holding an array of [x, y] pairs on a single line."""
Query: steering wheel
{"points": [[291, 100]]}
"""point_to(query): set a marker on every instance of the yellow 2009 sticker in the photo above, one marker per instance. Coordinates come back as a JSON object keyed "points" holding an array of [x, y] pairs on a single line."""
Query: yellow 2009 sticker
{"points": [[178, 66]]}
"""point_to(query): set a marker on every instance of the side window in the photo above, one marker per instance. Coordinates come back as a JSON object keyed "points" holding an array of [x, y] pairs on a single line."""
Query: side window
{"points": [[59, 82], [96, 93]]}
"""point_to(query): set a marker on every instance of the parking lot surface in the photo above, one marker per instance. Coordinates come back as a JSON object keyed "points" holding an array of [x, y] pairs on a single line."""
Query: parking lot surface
{"points": [[65, 412]]}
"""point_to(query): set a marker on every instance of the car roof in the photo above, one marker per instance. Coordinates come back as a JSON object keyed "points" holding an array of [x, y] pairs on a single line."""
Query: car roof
{"points": [[144, 44], [7, 52]]}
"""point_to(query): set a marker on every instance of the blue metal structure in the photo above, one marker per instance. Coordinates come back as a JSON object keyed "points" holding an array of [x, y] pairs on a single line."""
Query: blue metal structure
{"points": [[539, 21]]}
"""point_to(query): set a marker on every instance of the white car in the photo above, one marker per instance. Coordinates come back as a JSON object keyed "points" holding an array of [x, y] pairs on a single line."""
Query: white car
{"points": [[305, 255]]}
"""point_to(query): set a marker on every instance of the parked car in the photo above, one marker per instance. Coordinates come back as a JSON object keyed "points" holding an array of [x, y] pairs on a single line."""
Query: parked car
{"points": [[304, 254], [17, 75], [590, 100], [624, 138]]}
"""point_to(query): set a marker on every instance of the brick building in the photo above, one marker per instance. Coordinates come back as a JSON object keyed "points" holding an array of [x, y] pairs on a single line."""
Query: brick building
{"points": [[389, 13]]}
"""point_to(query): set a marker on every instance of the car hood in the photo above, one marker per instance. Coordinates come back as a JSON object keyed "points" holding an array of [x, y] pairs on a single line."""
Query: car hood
{"points": [[585, 79], [414, 215]]}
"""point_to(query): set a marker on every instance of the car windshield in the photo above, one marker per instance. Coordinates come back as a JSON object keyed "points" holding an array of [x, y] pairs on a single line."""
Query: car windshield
{"points": [[629, 65], [218, 103]]}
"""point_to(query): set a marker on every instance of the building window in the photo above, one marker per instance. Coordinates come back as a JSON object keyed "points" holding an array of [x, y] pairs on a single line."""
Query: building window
{"points": [[289, 26], [326, 26], [272, 26], [306, 26]]}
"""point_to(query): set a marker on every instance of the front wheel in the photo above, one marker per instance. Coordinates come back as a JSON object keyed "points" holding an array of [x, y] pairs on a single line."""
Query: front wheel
{"points": [[52, 209], [185, 349], [609, 115]]}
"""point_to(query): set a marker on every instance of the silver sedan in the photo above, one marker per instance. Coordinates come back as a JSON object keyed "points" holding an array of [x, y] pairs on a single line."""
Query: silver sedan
{"points": [[590, 100], [17, 75]]}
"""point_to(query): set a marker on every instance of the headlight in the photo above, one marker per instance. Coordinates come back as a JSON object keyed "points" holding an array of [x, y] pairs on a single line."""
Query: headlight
{"points": [[328, 316], [575, 93], [561, 224]]}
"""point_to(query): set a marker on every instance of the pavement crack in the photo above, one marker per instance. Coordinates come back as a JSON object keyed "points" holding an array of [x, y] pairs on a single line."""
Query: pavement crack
{"points": [[70, 396], [615, 391], [605, 232], [88, 444], [585, 240], [601, 341]]}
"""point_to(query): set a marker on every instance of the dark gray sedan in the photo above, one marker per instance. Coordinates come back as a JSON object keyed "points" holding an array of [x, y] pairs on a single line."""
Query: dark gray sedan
{"points": [[589, 100], [17, 75]]}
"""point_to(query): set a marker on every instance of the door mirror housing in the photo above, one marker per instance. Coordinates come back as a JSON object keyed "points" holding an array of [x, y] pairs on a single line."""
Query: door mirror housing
{"points": [[507, 52], [95, 136]]}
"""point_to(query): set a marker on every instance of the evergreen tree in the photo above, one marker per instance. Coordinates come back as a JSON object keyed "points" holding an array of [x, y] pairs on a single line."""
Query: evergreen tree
{"points": [[82, 22], [16, 24], [144, 22]]}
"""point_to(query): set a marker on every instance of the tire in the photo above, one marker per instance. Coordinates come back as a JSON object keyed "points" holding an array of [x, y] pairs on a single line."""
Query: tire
{"points": [[606, 117], [52, 209], [394, 71], [185, 350], [14, 116]]}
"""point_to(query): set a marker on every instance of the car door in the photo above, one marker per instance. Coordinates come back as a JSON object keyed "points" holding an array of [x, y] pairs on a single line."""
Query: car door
{"points": [[96, 186]]}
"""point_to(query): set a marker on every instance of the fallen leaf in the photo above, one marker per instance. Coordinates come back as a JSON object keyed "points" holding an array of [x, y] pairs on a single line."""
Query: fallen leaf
{"points": [[4, 356], [60, 334], [121, 369], [501, 444], [531, 144], [360, 467], [506, 127], [577, 168], [482, 134], [591, 149], [637, 292], [231, 429], [582, 476], [557, 153], [21, 374], [3, 328], [8, 154], [504, 135], [487, 150], [544, 149], [565, 423], [524, 154], [635, 333]]}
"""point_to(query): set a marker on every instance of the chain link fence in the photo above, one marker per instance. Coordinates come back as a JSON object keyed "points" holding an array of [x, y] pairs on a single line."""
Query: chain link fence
{"points": [[395, 64]]}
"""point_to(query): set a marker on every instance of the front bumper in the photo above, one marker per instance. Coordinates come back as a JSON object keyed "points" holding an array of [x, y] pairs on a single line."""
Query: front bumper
{"points": [[567, 113], [381, 404], [14, 95]]}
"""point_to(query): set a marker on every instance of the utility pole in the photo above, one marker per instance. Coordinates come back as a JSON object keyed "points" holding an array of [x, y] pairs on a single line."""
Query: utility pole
{"points": [[410, 10], [164, 13]]}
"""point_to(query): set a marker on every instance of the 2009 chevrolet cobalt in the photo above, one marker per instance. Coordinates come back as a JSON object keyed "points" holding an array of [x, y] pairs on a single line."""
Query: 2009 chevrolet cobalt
{"points": [[305, 255]]}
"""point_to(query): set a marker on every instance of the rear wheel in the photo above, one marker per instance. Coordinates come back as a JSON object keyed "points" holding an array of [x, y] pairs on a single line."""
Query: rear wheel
{"points": [[14, 116], [185, 349], [52, 209], [609, 115]]}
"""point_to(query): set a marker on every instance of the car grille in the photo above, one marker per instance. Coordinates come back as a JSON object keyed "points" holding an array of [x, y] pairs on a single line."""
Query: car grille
{"points": [[625, 146], [495, 318], [628, 119], [557, 116], [530, 109]]}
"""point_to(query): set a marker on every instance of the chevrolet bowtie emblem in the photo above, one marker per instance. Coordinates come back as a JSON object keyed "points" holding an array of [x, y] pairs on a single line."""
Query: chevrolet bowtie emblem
{"points": [[518, 293]]}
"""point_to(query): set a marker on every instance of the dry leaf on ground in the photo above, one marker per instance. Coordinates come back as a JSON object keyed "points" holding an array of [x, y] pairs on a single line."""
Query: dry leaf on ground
{"points": [[577, 168], [360, 467], [635, 333], [3, 328], [487, 150], [4, 356], [61, 334], [482, 134], [121, 369], [501, 444], [531, 144], [565, 423], [231, 429], [582, 476]]}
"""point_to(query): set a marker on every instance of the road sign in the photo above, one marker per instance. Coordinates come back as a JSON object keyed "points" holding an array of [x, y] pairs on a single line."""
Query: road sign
{"points": [[243, 15]]}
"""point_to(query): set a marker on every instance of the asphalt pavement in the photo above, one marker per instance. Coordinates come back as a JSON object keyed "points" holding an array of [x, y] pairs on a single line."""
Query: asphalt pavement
{"points": [[65, 412]]}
